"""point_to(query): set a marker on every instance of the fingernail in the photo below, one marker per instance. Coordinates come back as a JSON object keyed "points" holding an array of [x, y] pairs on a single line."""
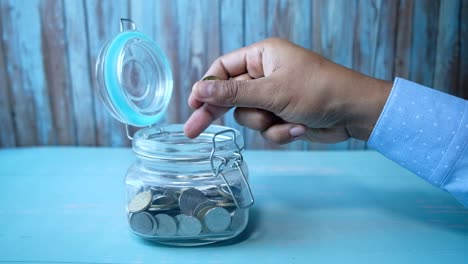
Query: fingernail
{"points": [[297, 131], [205, 89]]}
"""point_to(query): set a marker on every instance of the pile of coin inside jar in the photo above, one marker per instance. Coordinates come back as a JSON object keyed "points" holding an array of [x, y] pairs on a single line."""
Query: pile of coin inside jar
{"points": [[167, 212]]}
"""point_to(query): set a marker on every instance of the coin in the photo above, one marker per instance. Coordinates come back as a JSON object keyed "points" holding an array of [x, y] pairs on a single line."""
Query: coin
{"points": [[201, 213], [189, 199], [165, 207], [217, 219], [140, 202], [188, 225], [238, 220], [225, 203], [211, 78], [200, 206], [167, 225], [179, 217], [143, 223]]}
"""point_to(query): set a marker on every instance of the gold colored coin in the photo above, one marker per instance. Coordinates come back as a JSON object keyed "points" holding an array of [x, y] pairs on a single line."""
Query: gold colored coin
{"points": [[226, 204], [211, 78], [202, 212], [140, 202]]}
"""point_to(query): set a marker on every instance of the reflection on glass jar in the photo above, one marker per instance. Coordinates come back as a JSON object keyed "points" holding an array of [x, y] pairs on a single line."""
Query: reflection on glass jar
{"points": [[183, 191]]}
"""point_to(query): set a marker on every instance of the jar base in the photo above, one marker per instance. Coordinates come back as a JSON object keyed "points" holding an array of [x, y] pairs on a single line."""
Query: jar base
{"points": [[188, 242], [185, 244]]}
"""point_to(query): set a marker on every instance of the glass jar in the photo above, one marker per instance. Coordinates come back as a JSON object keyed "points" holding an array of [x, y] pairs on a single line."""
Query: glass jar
{"points": [[183, 191], [180, 191]]}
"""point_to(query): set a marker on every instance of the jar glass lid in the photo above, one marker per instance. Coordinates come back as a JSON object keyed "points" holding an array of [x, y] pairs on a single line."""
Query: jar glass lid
{"points": [[134, 78]]}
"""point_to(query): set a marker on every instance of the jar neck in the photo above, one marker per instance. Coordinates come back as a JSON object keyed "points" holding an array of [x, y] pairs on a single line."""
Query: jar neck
{"points": [[170, 143], [202, 167]]}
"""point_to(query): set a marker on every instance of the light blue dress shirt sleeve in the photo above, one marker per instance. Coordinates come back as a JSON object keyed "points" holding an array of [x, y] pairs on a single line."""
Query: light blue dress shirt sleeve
{"points": [[426, 131]]}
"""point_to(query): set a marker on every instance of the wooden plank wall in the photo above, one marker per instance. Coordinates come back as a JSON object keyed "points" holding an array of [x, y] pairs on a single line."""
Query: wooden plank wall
{"points": [[48, 49]]}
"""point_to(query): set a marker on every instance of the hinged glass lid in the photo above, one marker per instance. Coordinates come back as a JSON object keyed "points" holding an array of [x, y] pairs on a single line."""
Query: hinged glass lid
{"points": [[134, 78]]}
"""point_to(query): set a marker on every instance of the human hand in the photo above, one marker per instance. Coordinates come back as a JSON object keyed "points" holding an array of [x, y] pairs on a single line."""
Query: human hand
{"points": [[287, 92]]}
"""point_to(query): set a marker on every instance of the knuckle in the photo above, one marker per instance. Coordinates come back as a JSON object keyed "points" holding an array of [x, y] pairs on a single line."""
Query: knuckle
{"points": [[277, 96], [231, 91], [264, 119], [274, 41], [273, 137]]}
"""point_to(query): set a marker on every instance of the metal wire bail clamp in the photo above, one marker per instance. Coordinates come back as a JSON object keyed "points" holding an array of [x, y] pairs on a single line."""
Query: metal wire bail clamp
{"points": [[218, 171], [129, 21]]}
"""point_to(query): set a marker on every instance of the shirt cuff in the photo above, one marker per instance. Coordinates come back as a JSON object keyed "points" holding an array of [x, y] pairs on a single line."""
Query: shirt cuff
{"points": [[422, 129]]}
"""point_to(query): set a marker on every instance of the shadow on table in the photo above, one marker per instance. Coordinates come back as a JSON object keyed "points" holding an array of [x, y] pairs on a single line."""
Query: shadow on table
{"points": [[421, 203]]}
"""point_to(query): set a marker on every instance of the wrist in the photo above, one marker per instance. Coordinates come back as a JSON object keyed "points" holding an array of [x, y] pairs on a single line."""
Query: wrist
{"points": [[366, 105]]}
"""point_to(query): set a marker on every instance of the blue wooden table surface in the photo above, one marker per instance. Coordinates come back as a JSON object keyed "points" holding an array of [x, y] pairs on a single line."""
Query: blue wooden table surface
{"points": [[66, 205]]}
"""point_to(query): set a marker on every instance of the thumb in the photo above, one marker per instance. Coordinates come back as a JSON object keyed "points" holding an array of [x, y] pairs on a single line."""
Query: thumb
{"points": [[256, 93]]}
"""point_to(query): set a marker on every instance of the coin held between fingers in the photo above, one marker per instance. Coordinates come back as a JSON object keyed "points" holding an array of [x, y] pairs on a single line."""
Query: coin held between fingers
{"points": [[211, 78]]}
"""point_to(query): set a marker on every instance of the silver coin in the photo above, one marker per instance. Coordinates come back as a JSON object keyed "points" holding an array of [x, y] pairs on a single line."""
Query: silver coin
{"points": [[188, 225], [143, 223], [167, 225], [189, 199], [200, 206], [140, 202], [179, 217], [238, 219], [217, 219]]}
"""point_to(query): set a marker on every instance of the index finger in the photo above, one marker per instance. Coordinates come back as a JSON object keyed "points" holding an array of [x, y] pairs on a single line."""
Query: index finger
{"points": [[202, 117]]}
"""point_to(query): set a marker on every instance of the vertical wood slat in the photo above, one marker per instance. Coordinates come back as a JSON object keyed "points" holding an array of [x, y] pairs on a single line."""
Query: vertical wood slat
{"points": [[366, 32], [79, 73], [383, 63], [25, 67], [143, 14], [54, 54], [183, 66], [447, 53], [166, 33], [7, 133], [103, 19], [423, 47], [403, 39], [463, 80]]}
